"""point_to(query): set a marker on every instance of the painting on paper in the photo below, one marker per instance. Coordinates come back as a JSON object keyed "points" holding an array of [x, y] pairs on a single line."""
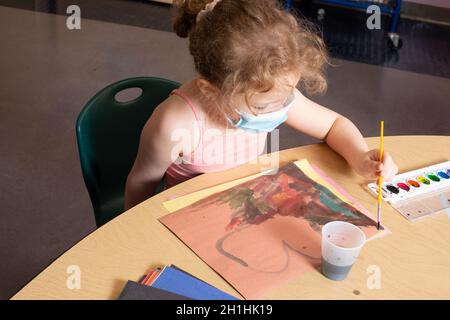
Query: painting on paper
{"points": [[261, 233]]}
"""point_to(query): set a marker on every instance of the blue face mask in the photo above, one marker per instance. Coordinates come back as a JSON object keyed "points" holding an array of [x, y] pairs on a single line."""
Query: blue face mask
{"points": [[266, 121]]}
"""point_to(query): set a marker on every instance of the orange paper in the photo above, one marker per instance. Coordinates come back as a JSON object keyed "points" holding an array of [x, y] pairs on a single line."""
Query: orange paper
{"points": [[265, 231]]}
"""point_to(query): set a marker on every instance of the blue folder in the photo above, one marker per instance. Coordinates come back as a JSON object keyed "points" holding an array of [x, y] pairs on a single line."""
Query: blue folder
{"points": [[176, 281]]}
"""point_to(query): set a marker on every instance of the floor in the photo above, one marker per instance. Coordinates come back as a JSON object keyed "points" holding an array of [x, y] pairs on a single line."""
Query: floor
{"points": [[49, 73], [425, 45]]}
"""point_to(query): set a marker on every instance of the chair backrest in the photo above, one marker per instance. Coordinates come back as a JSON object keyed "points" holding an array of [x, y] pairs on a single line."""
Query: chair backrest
{"points": [[108, 134]]}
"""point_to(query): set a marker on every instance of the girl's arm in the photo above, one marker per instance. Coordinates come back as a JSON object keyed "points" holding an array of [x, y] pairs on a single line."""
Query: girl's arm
{"points": [[156, 150], [341, 135]]}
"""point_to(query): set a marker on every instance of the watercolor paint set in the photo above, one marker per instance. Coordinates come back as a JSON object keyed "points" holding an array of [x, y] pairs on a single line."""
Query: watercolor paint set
{"points": [[418, 193]]}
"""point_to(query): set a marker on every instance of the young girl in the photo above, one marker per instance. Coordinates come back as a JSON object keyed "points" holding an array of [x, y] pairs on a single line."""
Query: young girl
{"points": [[250, 56]]}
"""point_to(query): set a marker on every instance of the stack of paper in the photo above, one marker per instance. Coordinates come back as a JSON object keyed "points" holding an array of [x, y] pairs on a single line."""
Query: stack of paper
{"points": [[172, 283]]}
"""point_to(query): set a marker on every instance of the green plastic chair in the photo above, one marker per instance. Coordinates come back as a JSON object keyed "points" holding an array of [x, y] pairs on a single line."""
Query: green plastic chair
{"points": [[108, 133]]}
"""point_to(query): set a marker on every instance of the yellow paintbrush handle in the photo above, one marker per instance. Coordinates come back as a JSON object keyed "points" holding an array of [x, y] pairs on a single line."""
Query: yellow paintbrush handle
{"points": [[380, 179]]}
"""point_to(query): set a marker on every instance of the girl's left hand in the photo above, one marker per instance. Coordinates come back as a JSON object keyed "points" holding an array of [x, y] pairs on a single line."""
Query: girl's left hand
{"points": [[370, 167]]}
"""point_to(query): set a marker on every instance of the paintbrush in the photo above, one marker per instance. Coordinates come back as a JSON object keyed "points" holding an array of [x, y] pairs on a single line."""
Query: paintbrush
{"points": [[380, 179]]}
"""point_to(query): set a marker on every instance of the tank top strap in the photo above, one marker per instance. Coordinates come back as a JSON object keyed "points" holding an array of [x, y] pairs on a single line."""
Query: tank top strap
{"points": [[188, 101], [196, 114]]}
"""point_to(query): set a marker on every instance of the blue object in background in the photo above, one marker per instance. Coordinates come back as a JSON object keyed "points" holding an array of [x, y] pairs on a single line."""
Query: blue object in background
{"points": [[392, 8], [288, 4]]}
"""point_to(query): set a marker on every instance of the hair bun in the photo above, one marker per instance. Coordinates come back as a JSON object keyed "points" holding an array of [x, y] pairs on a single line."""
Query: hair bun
{"points": [[185, 18]]}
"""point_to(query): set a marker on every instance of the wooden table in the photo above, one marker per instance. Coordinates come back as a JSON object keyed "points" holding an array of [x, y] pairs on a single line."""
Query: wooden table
{"points": [[414, 260]]}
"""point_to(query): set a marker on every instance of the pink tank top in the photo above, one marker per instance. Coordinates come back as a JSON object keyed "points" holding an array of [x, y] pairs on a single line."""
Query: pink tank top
{"points": [[217, 150]]}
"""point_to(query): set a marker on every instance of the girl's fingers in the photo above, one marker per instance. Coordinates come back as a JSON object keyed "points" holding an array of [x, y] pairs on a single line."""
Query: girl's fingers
{"points": [[379, 166], [390, 174], [386, 169], [372, 166], [375, 154], [387, 159]]}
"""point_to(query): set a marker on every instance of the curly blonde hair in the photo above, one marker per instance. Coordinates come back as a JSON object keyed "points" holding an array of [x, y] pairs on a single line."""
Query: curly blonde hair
{"points": [[243, 46]]}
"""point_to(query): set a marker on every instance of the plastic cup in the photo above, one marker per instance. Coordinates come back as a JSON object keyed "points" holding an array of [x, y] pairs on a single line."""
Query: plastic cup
{"points": [[341, 244]]}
